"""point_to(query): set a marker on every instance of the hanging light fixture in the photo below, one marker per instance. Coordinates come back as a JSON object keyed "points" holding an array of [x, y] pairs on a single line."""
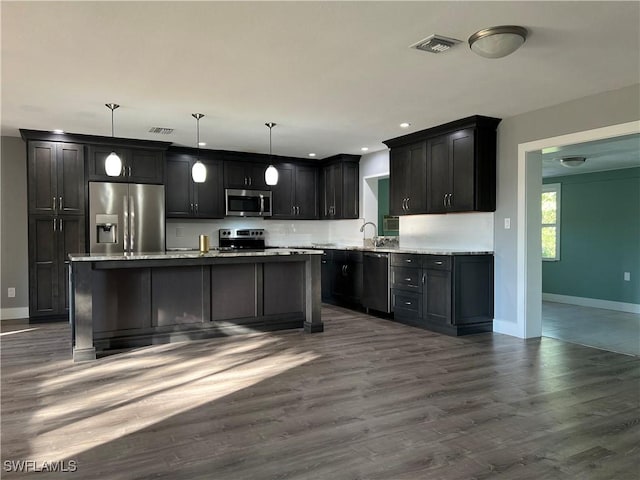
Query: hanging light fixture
{"points": [[113, 163], [198, 171], [497, 42], [271, 173]]}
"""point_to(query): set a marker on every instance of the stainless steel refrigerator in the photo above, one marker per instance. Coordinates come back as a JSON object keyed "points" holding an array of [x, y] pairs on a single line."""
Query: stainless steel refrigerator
{"points": [[126, 218]]}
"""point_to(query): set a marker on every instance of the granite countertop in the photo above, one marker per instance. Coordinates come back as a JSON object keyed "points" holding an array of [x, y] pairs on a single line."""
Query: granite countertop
{"points": [[418, 251], [187, 254]]}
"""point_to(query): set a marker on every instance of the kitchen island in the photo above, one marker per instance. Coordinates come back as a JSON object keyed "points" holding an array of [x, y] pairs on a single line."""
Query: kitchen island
{"points": [[130, 300]]}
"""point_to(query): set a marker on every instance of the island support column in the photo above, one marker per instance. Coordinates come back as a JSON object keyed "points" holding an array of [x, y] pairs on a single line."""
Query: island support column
{"points": [[81, 311], [313, 295]]}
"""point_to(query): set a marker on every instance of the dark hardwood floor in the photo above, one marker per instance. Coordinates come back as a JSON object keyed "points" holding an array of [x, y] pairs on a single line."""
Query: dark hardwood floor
{"points": [[366, 399]]}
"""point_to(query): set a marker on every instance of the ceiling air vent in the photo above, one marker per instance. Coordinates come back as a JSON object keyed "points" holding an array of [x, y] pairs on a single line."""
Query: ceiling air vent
{"points": [[435, 44], [161, 130]]}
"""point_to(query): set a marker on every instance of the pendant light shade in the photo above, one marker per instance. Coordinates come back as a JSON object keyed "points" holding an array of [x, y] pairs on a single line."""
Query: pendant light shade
{"points": [[198, 171], [113, 163], [271, 173], [497, 42]]}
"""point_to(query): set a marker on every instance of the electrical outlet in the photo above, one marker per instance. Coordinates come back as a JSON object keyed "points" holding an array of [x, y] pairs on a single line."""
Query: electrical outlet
{"points": [[507, 223], [11, 292], [627, 276]]}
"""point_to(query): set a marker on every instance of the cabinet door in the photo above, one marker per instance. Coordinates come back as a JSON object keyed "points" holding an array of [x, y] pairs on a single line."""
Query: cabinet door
{"points": [[255, 173], [461, 148], [178, 186], [145, 166], [437, 297], [336, 189], [438, 174], [350, 190], [43, 265], [70, 178], [306, 192], [283, 288], [209, 196], [399, 179], [70, 240], [235, 175], [417, 181], [43, 186], [327, 197], [234, 294], [283, 193], [97, 156], [327, 274]]}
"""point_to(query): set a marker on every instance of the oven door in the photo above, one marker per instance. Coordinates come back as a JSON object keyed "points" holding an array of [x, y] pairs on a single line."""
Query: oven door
{"points": [[247, 203]]}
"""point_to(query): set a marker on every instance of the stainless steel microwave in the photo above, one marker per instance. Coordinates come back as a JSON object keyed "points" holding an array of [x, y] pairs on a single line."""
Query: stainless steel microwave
{"points": [[247, 203]]}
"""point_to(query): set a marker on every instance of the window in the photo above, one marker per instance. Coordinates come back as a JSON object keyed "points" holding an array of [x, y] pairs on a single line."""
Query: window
{"points": [[551, 221]]}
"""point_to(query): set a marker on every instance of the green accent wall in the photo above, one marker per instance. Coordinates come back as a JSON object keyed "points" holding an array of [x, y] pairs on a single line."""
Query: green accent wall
{"points": [[599, 237]]}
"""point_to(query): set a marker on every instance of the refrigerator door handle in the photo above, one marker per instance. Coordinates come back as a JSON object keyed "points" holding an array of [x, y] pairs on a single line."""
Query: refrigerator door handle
{"points": [[132, 220], [125, 201]]}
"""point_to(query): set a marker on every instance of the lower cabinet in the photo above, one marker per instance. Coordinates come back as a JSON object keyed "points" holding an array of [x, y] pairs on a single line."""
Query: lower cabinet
{"points": [[450, 294], [346, 284], [51, 240]]}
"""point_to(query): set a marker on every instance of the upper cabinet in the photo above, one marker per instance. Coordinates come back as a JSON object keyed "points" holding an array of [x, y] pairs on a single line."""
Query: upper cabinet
{"points": [[449, 168], [244, 175], [138, 165], [296, 194], [340, 194], [56, 178], [187, 199]]}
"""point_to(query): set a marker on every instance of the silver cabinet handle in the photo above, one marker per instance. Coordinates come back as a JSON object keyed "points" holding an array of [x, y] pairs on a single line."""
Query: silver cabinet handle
{"points": [[408, 204], [53, 205], [407, 279], [408, 260], [129, 170], [60, 203], [438, 263], [444, 200], [54, 224], [424, 278], [293, 210], [450, 198], [298, 210], [191, 207], [196, 208], [61, 224], [407, 303]]}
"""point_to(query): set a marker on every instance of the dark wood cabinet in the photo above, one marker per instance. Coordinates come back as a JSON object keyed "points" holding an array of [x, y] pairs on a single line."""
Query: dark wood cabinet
{"points": [[51, 239], [296, 194], [138, 165], [187, 199], [451, 294], [56, 178], [448, 168], [407, 180], [340, 193], [326, 273], [244, 175], [346, 285]]}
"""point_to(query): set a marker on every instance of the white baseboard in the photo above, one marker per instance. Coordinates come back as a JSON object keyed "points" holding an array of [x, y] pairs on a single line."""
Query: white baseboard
{"points": [[14, 313], [507, 328], [592, 302]]}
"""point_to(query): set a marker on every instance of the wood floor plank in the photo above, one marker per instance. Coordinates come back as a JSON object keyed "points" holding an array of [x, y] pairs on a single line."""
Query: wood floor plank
{"points": [[366, 399]]}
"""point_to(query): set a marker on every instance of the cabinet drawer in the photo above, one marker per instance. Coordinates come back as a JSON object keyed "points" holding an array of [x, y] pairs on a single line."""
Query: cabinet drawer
{"points": [[406, 305], [437, 262], [405, 260], [405, 278]]}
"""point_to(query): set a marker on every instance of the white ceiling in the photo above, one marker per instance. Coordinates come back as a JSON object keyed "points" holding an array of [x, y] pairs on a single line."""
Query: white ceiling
{"points": [[609, 154], [335, 76]]}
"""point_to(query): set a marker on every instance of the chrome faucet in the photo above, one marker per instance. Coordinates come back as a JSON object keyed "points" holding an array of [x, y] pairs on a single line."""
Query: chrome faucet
{"points": [[375, 232]]}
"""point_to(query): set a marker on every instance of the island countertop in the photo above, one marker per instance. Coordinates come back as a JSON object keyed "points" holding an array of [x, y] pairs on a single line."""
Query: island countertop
{"points": [[189, 254]]}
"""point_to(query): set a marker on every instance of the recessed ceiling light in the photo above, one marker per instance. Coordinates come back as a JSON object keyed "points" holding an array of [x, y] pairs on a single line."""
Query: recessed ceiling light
{"points": [[201, 144], [405, 125], [58, 131], [364, 149], [312, 154]]}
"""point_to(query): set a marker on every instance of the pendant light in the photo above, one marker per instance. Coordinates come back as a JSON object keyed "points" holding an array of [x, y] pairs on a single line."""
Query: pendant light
{"points": [[271, 173], [112, 164], [198, 171]]}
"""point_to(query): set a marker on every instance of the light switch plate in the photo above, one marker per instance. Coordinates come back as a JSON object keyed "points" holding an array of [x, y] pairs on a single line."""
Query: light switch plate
{"points": [[627, 276], [11, 292], [507, 223]]}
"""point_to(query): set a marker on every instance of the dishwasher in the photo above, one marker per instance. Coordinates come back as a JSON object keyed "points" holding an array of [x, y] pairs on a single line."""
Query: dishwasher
{"points": [[376, 290]]}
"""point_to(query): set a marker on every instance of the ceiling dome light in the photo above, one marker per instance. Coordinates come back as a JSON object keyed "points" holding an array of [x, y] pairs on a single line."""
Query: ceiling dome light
{"points": [[365, 149], [572, 161], [405, 125], [312, 154], [271, 173], [198, 171], [113, 163], [497, 42]]}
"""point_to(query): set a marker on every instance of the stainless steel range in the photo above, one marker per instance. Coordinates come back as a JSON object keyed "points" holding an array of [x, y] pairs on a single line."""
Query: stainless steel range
{"points": [[241, 239]]}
